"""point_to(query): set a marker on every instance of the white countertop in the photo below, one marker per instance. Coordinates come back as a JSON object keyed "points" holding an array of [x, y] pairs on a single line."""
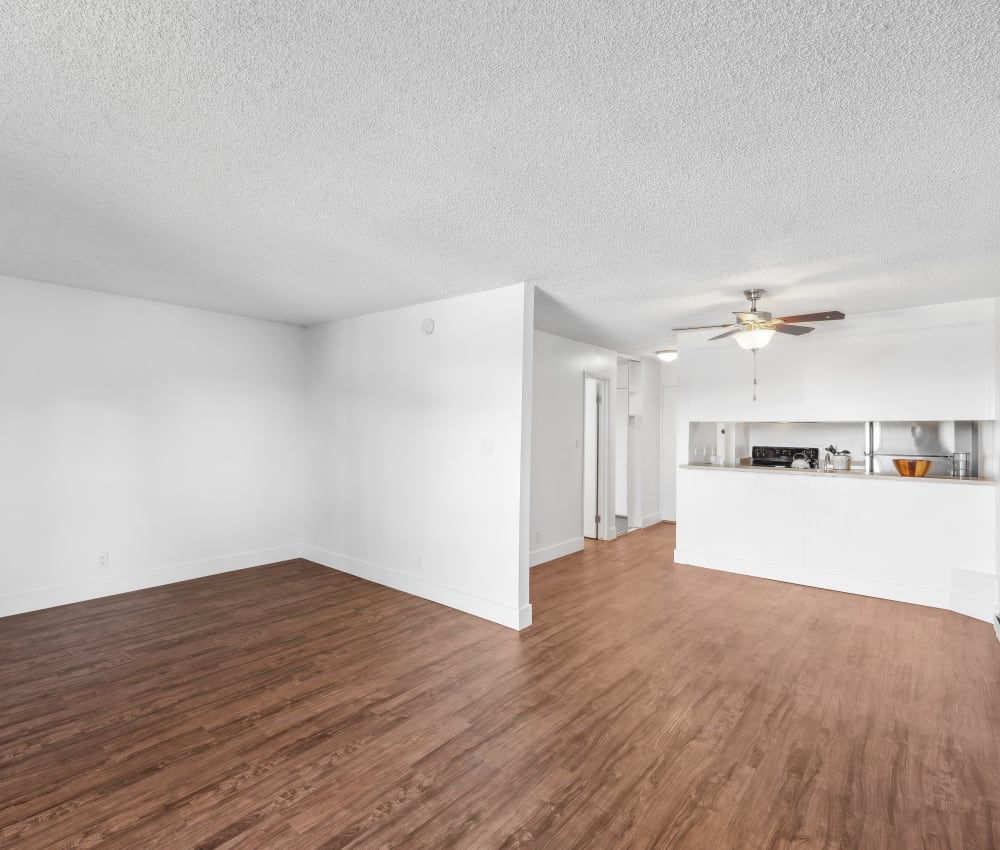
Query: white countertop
{"points": [[853, 474]]}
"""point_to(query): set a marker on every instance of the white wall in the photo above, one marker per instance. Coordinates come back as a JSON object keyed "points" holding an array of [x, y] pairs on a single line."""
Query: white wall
{"points": [[668, 441], [993, 464], [849, 436], [557, 442], [647, 430], [923, 363], [416, 446], [169, 438]]}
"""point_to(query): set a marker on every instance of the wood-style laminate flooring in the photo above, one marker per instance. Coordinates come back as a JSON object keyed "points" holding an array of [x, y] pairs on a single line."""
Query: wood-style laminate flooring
{"points": [[650, 705]]}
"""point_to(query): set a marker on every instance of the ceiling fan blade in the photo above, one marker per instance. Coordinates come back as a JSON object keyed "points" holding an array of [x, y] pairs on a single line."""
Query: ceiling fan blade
{"points": [[794, 330], [827, 316], [704, 327], [729, 333]]}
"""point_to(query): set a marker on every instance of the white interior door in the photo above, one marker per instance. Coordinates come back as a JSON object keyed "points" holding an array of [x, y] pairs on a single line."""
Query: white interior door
{"points": [[591, 444]]}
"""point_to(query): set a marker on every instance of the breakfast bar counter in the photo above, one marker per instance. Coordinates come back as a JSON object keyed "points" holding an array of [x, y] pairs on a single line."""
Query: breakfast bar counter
{"points": [[930, 543], [852, 474]]}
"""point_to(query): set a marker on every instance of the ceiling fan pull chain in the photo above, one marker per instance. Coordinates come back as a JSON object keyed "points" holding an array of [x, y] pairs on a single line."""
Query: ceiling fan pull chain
{"points": [[755, 374]]}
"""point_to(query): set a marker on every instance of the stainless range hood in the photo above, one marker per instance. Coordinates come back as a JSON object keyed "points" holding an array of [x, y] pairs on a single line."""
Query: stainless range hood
{"points": [[933, 441]]}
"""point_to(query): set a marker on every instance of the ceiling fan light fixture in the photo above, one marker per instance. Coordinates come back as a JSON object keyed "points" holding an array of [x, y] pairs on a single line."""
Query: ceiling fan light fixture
{"points": [[753, 339], [667, 355]]}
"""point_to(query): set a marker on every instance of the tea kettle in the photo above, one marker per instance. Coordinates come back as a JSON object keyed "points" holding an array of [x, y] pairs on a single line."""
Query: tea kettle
{"points": [[800, 461]]}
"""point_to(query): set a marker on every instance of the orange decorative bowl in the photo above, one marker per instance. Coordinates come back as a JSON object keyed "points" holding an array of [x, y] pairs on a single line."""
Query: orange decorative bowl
{"points": [[911, 468]]}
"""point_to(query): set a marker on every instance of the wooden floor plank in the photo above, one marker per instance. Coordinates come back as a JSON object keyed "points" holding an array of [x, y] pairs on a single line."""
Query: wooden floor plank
{"points": [[650, 705]]}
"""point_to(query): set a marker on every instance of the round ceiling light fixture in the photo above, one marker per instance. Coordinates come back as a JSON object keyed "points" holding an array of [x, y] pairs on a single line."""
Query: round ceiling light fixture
{"points": [[753, 339], [667, 355]]}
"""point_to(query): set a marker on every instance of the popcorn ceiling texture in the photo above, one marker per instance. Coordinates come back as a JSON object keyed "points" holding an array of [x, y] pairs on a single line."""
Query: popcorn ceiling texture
{"points": [[641, 162]]}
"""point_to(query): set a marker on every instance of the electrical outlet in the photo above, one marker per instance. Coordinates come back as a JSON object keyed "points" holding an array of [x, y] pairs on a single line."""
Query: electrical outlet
{"points": [[102, 561], [538, 536], [420, 560]]}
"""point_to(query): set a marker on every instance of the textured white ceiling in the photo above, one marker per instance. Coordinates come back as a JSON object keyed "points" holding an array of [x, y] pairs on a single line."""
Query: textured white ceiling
{"points": [[641, 162]]}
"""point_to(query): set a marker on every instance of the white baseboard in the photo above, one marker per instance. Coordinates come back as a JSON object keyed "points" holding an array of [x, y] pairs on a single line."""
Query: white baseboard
{"points": [[513, 618], [64, 594], [556, 550], [650, 519], [972, 593]]}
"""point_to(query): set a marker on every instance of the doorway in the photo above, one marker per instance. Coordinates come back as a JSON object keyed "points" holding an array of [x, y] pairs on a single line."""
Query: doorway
{"points": [[595, 441]]}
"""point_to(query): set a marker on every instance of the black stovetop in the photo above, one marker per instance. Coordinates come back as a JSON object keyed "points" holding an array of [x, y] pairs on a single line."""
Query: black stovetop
{"points": [[782, 456]]}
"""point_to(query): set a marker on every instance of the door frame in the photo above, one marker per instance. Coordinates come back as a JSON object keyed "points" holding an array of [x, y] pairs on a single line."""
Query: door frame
{"points": [[605, 484]]}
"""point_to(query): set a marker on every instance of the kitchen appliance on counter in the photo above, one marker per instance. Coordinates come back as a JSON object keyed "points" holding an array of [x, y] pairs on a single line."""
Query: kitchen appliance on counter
{"points": [[783, 457], [951, 447], [837, 461]]}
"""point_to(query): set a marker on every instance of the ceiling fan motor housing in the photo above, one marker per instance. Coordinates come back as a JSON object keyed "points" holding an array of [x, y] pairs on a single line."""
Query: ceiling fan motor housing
{"points": [[761, 320], [751, 317]]}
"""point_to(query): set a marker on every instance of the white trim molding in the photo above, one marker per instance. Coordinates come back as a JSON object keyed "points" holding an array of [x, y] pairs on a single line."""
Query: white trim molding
{"points": [[65, 594], [487, 609], [650, 519], [971, 592], [556, 550]]}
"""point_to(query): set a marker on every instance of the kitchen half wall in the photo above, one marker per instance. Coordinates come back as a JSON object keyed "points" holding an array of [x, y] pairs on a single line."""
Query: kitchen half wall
{"points": [[930, 542]]}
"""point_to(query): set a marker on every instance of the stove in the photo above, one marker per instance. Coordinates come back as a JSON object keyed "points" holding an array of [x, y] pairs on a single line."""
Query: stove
{"points": [[781, 456]]}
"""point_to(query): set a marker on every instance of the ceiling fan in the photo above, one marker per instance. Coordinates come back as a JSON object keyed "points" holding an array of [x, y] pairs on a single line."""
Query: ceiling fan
{"points": [[754, 328]]}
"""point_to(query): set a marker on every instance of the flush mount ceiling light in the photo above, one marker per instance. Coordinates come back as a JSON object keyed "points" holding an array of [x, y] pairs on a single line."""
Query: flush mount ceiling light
{"points": [[667, 355]]}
